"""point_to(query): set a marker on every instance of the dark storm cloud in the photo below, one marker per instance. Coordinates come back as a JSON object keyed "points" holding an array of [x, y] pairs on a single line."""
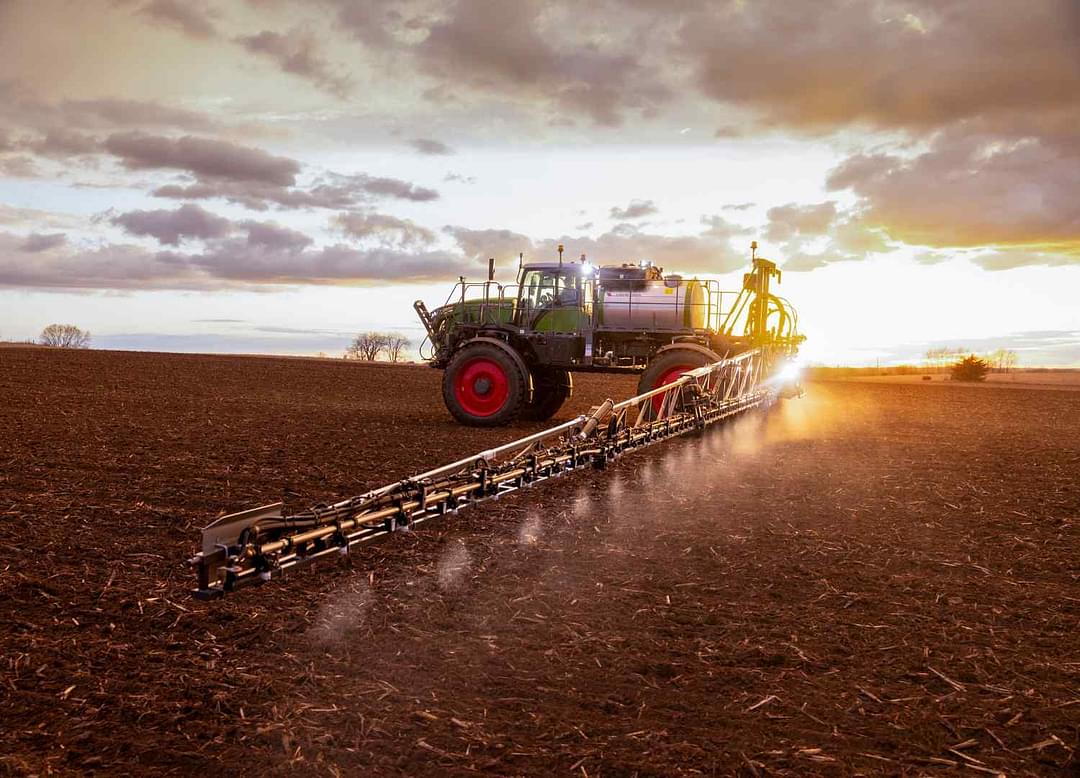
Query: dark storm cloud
{"points": [[184, 15], [203, 157], [170, 227], [636, 209], [429, 146], [297, 53], [385, 229]]}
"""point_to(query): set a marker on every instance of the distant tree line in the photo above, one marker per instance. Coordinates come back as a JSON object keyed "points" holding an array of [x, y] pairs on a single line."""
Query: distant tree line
{"points": [[946, 359], [369, 346]]}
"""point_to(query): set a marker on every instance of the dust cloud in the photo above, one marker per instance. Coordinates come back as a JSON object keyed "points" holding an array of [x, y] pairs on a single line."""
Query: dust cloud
{"points": [[453, 566], [342, 612]]}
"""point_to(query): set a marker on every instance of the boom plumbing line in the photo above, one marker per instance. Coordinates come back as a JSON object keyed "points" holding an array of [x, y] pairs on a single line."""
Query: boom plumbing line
{"points": [[263, 543]]}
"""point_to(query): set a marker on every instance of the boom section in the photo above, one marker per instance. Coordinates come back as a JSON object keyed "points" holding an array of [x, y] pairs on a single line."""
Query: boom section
{"points": [[263, 543]]}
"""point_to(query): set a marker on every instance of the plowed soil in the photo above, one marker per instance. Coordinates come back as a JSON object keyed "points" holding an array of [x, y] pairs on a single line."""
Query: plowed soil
{"points": [[873, 579]]}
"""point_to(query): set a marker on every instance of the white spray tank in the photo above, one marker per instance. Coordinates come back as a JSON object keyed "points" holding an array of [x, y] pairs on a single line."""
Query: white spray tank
{"points": [[639, 297]]}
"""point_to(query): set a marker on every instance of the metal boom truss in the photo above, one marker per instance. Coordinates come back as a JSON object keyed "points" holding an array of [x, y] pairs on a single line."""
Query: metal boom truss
{"points": [[262, 543]]}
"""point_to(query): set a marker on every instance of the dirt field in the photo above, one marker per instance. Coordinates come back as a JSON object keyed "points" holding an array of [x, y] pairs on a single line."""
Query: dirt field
{"points": [[1023, 379], [875, 579]]}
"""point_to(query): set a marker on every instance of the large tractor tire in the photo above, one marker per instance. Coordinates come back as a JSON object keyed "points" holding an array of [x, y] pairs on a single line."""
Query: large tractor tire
{"points": [[666, 367], [485, 385], [552, 386]]}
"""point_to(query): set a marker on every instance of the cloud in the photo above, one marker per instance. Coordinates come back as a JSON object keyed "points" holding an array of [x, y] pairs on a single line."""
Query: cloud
{"points": [[109, 267], [969, 190], [478, 245], [636, 209], [579, 64], [111, 113], [912, 64], [371, 21], [203, 157], [296, 53], [170, 227], [38, 242], [706, 252], [65, 143], [846, 235], [257, 263], [792, 220], [394, 187], [709, 251], [267, 257], [185, 16], [12, 216], [331, 190], [1009, 259], [429, 146], [385, 229], [37, 117], [18, 166], [1033, 348], [275, 237]]}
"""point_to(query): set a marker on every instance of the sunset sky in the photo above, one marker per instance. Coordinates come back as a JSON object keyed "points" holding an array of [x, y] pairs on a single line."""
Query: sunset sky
{"points": [[267, 176]]}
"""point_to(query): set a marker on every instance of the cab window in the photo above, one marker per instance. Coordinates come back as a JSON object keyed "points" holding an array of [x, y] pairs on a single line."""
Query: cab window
{"points": [[548, 288]]}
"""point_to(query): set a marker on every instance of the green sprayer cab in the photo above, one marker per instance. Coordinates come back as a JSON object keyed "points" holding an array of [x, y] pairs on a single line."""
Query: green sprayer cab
{"points": [[508, 351]]}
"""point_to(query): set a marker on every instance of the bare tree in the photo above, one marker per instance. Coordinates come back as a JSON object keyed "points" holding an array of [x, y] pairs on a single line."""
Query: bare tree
{"points": [[396, 343], [64, 336], [367, 345], [1003, 360], [941, 358]]}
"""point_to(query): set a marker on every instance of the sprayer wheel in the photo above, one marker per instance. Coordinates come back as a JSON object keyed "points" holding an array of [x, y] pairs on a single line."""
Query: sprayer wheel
{"points": [[483, 386], [666, 368]]}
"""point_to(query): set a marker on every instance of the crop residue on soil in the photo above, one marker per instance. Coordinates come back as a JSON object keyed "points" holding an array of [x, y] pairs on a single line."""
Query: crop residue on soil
{"points": [[872, 579]]}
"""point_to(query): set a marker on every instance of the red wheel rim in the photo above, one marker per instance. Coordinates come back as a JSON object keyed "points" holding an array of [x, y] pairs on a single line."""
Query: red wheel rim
{"points": [[481, 387], [664, 380]]}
